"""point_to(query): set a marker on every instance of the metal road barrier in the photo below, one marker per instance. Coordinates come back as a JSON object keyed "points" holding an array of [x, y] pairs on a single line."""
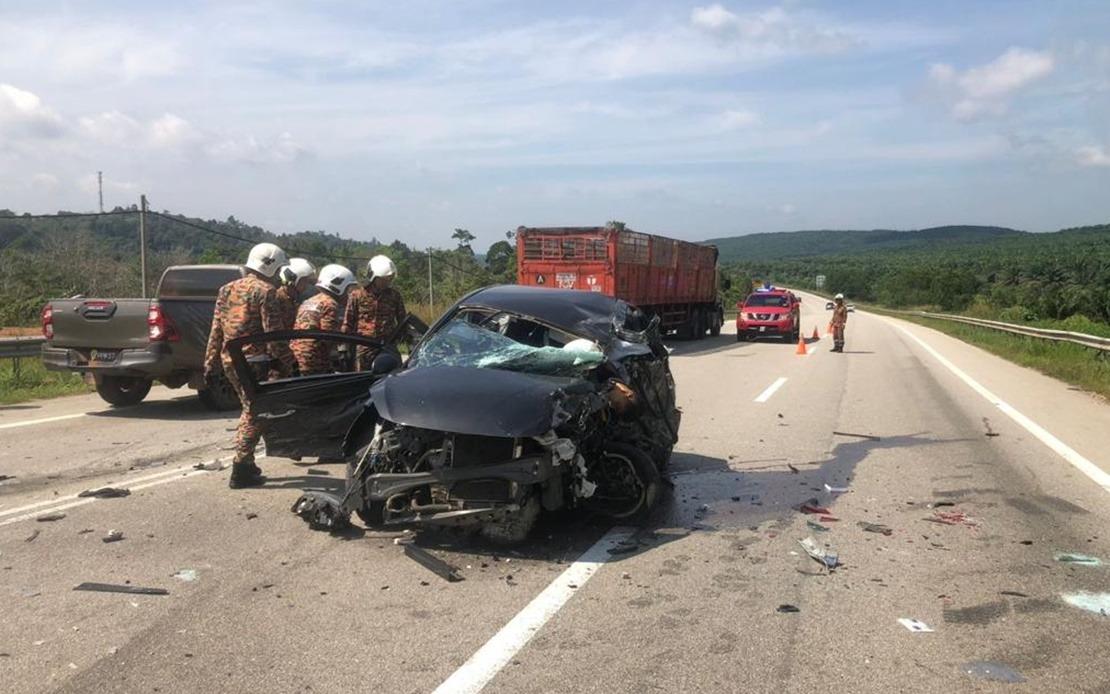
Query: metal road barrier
{"points": [[1092, 341], [17, 347]]}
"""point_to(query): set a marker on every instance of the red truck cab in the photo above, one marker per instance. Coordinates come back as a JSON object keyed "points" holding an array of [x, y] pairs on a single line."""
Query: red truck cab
{"points": [[769, 311]]}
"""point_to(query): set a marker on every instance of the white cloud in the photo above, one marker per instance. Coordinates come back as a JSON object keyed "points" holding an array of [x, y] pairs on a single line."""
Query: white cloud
{"points": [[44, 181], [1092, 155], [170, 131], [987, 89], [23, 113], [737, 119], [774, 27], [279, 150], [111, 128]]}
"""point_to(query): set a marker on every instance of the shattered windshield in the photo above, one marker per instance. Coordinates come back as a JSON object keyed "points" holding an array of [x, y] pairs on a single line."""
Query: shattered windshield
{"points": [[503, 341]]}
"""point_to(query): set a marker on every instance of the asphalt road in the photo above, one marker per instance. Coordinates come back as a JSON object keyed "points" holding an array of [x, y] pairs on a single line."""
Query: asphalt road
{"points": [[275, 607]]}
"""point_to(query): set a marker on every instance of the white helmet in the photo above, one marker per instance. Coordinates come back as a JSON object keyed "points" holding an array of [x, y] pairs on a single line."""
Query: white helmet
{"points": [[335, 279], [380, 266], [297, 269], [266, 258], [839, 297]]}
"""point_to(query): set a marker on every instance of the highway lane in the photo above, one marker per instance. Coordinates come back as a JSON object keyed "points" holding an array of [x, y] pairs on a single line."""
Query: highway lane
{"points": [[277, 606]]}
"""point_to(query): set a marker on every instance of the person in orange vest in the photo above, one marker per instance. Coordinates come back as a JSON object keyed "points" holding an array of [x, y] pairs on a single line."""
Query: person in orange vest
{"points": [[839, 321]]}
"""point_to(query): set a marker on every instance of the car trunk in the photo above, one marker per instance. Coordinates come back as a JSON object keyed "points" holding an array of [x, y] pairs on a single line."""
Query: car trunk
{"points": [[100, 323]]}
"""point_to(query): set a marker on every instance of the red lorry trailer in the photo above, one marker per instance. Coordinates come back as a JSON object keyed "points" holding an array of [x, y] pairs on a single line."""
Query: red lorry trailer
{"points": [[675, 280]]}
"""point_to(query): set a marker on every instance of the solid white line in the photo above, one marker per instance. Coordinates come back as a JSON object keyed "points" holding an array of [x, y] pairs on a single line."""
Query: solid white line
{"points": [[13, 425], [122, 483], [766, 395], [484, 665], [1097, 474]]}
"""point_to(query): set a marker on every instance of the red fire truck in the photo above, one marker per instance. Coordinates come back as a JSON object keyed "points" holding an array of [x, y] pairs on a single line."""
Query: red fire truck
{"points": [[675, 280]]}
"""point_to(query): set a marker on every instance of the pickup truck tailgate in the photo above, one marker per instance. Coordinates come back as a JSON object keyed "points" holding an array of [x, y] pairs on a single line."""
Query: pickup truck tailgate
{"points": [[100, 323]]}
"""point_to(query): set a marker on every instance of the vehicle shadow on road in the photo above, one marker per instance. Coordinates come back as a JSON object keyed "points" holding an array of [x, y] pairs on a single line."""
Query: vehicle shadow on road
{"points": [[184, 408]]}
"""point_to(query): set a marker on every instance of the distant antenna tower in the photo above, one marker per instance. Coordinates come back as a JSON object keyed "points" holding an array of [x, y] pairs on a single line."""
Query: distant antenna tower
{"points": [[100, 189]]}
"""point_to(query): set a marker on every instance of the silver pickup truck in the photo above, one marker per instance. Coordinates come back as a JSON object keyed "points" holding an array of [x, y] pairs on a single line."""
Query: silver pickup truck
{"points": [[127, 344]]}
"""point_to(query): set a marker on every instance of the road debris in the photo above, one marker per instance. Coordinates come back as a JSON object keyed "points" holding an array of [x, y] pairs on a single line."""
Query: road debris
{"points": [[115, 588], [817, 527], [251, 516], [812, 507], [826, 558], [433, 563], [875, 528], [952, 518], [990, 432], [869, 437], [1081, 559], [787, 608], [32, 536], [1099, 603], [48, 517], [836, 490], [994, 672], [915, 625], [793, 470], [625, 547], [211, 466], [5, 478], [113, 536], [187, 575], [1012, 593], [106, 493]]}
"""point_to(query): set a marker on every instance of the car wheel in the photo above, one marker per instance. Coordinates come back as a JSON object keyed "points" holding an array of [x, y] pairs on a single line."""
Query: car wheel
{"points": [[628, 482], [220, 397], [122, 391], [369, 512], [513, 529]]}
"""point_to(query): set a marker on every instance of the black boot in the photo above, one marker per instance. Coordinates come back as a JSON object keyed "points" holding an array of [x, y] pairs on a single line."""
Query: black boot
{"points": [[246, 474]]}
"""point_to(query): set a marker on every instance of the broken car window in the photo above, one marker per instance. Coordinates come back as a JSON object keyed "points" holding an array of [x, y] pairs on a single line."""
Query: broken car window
{"points": [[507, 342]]}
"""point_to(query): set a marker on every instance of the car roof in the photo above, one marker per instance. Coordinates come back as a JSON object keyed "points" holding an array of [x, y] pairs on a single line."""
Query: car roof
{"points": [[589, 314]]}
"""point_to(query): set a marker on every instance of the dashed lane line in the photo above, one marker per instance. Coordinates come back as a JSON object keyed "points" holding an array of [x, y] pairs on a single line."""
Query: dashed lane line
{"points": [[484, 665], [766, 394], [1097, 474]]}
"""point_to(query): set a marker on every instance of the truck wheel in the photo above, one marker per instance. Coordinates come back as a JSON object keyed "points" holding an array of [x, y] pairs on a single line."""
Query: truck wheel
{"points": [[122, 391], [715, 324], [221, 397]]}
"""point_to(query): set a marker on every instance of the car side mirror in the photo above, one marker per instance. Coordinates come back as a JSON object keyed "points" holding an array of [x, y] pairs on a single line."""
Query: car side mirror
{"points": [[384, 363]]}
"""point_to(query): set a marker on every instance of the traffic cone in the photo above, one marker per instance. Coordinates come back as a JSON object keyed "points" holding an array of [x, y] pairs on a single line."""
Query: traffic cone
{"points": [[816, 336], [801, 346]]}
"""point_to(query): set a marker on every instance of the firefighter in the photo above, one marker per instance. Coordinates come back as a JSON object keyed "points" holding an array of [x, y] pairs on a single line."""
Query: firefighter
{"points": [[374, 310], [322, 311], [248, 306], [839, 320], [296, 278]]}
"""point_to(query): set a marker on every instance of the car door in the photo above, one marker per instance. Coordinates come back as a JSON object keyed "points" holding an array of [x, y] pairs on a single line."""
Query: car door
{"points": [[304, 415]]}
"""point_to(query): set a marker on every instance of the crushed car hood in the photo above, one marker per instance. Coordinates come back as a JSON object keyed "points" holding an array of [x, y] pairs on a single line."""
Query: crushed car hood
{"points": [[483, 402]]}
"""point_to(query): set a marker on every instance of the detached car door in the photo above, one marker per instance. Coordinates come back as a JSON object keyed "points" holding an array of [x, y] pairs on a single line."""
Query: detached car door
{"points": [[305, 415]]}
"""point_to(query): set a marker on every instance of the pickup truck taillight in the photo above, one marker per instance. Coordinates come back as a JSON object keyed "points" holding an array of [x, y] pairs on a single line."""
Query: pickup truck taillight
{"points": [[159, 327], [48, 322]]}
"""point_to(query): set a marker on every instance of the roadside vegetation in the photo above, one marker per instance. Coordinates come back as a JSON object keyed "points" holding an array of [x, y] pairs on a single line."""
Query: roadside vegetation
{"points": [[27, 379]]}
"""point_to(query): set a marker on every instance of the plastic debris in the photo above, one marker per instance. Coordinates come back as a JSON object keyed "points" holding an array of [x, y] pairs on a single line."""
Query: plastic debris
{"points": [[828, 519], [212, 465], [869, 437], [994, 672], [817, 527], [915, 625], [1012, 593], [836, 490], [48, 517], [114, 588], [433, 563], [106, 493], [811, 507], [1081, 559], [32, 536], [875, 528], [187, 575], [1099, 603], [826, 558], [952, 518], [113, 536], [786, 608]]}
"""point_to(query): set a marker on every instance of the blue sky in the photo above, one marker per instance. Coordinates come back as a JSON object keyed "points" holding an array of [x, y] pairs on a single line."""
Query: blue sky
{"points": [[702, 119]]}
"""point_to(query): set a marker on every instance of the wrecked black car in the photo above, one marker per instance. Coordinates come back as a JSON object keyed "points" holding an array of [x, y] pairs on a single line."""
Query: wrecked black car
{"points": [[516, 401]]}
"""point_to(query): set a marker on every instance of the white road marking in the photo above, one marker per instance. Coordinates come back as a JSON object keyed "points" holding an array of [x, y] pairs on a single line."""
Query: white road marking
{"points": [[122, 483], [45, 420], [766, 395], [1097, 474], [484, 665]]}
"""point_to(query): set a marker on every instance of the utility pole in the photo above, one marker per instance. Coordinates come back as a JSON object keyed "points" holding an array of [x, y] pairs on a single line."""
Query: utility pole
{"points": [[431, 298], [100, 189], [142, 241]]}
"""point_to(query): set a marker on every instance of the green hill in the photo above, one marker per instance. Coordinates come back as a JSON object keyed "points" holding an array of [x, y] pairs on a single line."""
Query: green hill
{"points": [[798, 244]]}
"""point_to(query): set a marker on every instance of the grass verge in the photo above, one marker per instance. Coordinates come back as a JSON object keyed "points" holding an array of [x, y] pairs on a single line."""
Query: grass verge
{"points": [[31, 381], [1079, 366]]}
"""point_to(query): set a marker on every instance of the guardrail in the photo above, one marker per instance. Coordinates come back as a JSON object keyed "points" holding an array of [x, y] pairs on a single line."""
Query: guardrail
{"points": [[1092, 341], [18, 347]]}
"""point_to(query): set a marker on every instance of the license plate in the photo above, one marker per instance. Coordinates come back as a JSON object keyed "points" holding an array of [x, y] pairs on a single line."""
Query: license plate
{"points": [[763, 328], [100, 356]]}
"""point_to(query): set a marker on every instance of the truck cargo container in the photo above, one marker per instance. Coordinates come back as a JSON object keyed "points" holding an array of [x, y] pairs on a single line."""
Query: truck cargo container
{"points": [[674, 280]]}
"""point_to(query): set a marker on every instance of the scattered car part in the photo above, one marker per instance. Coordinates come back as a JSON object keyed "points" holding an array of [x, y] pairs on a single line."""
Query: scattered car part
{"points": [[915, 625], [869, 437], [826, 558], [115, 588], [433, 563], [47, 517], [106, 493], [113, 536]]}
